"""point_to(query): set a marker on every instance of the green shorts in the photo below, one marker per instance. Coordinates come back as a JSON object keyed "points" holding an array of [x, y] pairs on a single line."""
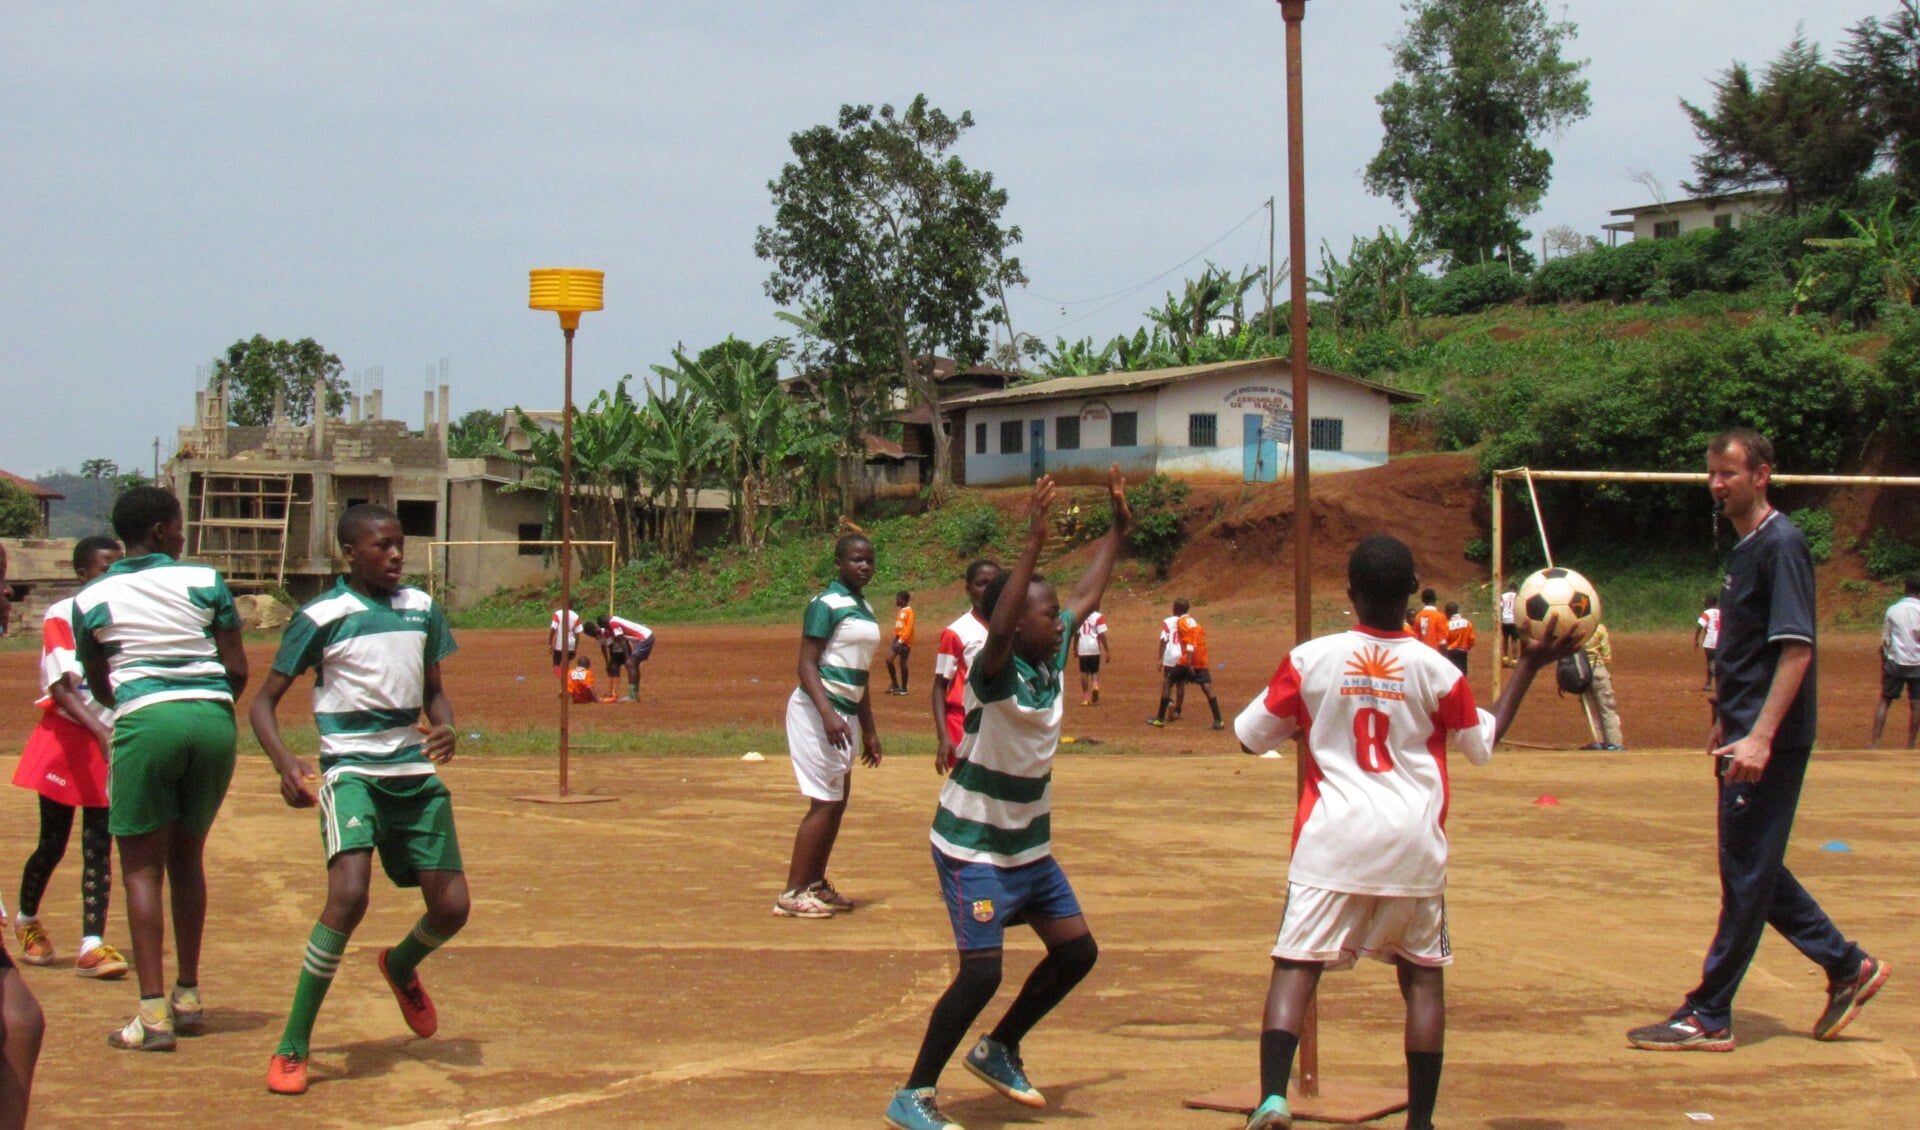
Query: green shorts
{"points": [[408, 820], [172, 763]]}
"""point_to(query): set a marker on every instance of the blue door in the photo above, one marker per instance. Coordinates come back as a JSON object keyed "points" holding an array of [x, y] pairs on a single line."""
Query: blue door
{"points": [[1262, 454], [1039, 436]]}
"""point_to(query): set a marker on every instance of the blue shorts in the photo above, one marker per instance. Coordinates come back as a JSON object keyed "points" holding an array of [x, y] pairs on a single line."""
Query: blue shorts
{"points": [[983, 900]]}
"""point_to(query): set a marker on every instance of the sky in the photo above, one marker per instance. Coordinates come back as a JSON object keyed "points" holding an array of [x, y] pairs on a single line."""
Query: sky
{"points": [[380, 177]]}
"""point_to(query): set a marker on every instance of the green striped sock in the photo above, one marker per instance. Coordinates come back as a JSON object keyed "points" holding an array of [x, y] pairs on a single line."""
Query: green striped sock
{"points": [[412, 950], [322, 961]]}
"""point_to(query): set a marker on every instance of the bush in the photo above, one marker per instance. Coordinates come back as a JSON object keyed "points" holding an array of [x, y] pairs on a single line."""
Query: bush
{"points": [[1159, 527], [967, 530], [1900, 374], [1471, 289], [1817, 525], [1888, 556], [1478, 551]]}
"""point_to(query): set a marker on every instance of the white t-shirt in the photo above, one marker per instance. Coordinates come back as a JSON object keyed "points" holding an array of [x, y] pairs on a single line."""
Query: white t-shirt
{"points": [[1709, 628], [1379, 710], [1901, 633], [57, 661], [573, 631], [1506, 606], [1091, 629], [1170, 642]]}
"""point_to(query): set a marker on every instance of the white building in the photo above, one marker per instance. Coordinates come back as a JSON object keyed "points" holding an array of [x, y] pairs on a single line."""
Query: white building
{"points": [[1673, 218], [1226, 422]]}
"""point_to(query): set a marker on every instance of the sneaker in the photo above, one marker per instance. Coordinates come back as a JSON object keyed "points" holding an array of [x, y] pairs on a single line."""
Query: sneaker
{"points": [[1219, 725], [415, 1006], [999, 1067], [140, 1035], [189, 1018], [1157, 722], [835, 901], [1593, 747], [801, 904], [1088, 701], [1272, 1114], [102, 962], [1844, 998], [1681, 1033], [1612, 748], [287, 1075], [35, 947], [916, 1110]]}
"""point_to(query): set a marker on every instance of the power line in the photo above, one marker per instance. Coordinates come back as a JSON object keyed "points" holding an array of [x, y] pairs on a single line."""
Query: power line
{"points": [[1117, 295]]}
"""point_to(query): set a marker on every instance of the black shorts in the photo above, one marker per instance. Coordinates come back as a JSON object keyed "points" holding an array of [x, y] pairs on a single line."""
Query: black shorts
{"points": [[1195, 675], [1176, 676], [1457, 657], [1090, 665], [1893, 677], [903, 650], [1509, 631], [622, 651]]}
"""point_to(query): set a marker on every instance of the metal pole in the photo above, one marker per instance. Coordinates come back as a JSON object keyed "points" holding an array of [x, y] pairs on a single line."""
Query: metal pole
{"points": [[566, 551], [1294, 11], [1499, 568], [1272, 222]]}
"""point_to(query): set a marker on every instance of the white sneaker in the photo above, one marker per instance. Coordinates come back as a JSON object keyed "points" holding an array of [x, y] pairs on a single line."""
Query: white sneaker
{"points": [[801, 904]]}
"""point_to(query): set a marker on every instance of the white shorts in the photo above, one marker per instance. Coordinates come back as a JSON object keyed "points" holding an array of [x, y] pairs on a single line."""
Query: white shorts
{"points": [[818, 764], [1336, 928]]}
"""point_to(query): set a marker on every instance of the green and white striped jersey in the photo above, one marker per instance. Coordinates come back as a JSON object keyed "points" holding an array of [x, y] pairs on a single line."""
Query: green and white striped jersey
{"points": [[997, 803], [369, 659], [153, 619], [848, 625]]}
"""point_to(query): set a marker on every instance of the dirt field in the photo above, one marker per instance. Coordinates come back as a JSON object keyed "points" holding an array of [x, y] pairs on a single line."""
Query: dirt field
{"points": [[621, 968]]}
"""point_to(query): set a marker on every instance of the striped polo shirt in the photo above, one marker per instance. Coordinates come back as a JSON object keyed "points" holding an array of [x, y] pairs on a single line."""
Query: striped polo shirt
{"points": [[153, 619], [852, 634], [369, 657], [995, 807]]}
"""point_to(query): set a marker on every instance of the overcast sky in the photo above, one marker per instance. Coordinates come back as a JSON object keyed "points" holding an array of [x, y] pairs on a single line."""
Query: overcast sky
{"points": [[381, 176]]}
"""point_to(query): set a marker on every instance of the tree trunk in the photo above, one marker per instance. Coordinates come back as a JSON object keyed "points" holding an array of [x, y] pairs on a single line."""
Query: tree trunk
{"points": [[926, 390]]}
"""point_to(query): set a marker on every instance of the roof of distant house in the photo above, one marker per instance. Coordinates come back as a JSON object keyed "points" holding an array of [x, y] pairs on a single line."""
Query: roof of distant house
{"points": [[31, 487], [1753, 195], [1155, 378]]}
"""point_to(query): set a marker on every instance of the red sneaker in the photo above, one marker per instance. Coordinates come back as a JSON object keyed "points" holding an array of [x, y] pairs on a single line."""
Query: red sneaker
{"points": [[287, 1075], [414, 1003]]}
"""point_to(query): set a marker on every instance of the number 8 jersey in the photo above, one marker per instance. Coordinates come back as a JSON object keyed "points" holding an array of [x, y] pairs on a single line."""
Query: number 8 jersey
{"points": [[1379, 710]]}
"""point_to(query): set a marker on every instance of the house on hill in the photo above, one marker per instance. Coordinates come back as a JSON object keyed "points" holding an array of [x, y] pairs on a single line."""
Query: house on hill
{"points": [[42, 497], [1225, 422], [1673, 218]]}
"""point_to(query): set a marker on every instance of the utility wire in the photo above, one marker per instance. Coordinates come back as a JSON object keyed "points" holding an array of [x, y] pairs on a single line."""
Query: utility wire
{"points": [[1113, 299]]}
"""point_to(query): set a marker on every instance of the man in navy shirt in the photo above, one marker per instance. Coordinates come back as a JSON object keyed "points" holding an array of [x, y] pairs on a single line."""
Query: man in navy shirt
{"points": [[1762, 739]]}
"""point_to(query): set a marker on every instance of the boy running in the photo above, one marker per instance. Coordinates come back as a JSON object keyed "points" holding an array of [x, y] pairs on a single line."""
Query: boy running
{"points": [[1459, 637], [902, 648], [960, 642], [827, 715], [64, 762], [161, 645], [624, 644], [1367, 875], [991, 841], [375, 646], [1091, 648]]}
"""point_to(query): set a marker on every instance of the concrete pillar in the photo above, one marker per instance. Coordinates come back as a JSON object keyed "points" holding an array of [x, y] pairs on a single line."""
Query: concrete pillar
{"points": [[446, 411], [353, 408], [426, 415], [319, 417], [373, 403]]}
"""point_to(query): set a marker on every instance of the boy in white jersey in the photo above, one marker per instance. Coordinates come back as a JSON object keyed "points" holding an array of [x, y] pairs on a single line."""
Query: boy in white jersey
{"points": [[375, 646], [160, 642], [960, 642], [1091, 649], [1706, 634], [624, 644], [827, 715], [1377, 710], [991, 836]]}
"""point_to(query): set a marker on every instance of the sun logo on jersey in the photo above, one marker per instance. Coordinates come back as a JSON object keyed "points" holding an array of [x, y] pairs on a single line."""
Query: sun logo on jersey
{"points": [[1373, 672]]}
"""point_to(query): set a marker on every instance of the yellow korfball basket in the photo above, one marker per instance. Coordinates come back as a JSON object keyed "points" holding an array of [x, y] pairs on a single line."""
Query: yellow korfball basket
{"points": [[567, 291]]}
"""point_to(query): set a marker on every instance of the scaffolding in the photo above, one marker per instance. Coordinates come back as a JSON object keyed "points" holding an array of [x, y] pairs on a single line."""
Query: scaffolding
{"points": [[242, 527]]}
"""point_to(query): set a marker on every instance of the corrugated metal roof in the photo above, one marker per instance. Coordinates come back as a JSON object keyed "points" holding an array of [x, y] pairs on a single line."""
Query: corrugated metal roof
{"points": [[1068, 387], [31, 487]]}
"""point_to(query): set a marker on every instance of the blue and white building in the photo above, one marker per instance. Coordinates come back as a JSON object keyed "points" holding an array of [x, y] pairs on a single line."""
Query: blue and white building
{"points": [[1225, 422]]}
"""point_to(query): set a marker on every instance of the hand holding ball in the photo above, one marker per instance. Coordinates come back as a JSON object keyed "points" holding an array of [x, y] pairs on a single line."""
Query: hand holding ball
{"points": [[1560, 595]]}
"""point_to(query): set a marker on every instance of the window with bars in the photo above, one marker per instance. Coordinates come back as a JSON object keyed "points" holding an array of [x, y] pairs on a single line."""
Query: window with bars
{"points": [[1126, 430], [1327, 435], [1066, 433], [1012, 437], [979, 439], [1203, 430]]}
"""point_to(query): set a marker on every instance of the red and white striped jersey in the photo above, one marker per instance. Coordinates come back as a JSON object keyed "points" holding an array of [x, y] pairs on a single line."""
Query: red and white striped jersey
{"points": [[57, 661], [623, 629], [1378, 710], [960, 641]]}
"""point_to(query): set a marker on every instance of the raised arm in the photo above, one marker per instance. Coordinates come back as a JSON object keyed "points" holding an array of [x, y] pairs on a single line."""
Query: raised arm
{"points": [[1093, 583], [997, 652]]}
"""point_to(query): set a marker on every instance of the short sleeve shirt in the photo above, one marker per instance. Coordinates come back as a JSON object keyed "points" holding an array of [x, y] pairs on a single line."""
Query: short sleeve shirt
{"points": [[621, 629], [1709, 624], [1767, 600], [847, 624], [997, 804], [1900, 635], [369, 657], [574, 627], [57, 661], [960, 641], [1091, 629], [153, 619]]}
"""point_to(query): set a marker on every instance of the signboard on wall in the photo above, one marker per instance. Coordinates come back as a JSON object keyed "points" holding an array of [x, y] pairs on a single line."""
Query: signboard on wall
{"points": [[1278, 429], [1095, 410], [1271, 400]]}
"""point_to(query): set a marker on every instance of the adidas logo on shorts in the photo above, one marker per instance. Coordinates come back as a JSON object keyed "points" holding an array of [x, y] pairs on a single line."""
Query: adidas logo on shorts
{"points": [[353, 821]]}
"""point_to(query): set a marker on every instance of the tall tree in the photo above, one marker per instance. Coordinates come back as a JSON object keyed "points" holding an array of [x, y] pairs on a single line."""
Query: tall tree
{"points": [[475, 434], [255, 370], [1882, 61], [1802, 126], [19, 512], [1481, 82], [893, 245]]}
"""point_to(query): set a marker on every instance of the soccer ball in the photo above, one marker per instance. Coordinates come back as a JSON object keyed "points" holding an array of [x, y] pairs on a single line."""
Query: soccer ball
{"points": [[1560, 593]]}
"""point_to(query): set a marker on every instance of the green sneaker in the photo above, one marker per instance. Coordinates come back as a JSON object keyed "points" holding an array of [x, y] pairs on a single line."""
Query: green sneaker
{"points": [[999, 1067], [914, 1109], [1271, 1115]]}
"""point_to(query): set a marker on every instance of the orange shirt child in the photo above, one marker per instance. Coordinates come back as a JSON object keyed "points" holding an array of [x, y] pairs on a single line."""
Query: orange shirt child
{"points": [[1430, 625], [580, 683], [1193, 643], [903, 626], [1459, 634]]}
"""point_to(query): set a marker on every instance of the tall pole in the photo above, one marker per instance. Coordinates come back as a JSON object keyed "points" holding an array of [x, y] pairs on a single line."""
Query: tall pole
{"points": [[566, 551], [1294, 11], [1271, 224]]}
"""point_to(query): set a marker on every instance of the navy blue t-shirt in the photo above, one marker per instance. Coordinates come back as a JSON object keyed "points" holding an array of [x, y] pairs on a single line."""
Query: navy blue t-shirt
{"points": [[1767, 600]]}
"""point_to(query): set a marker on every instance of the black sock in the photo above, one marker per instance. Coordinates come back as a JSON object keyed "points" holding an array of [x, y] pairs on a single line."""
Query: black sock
{"points": [[1276, 1061], [973, 986], [1064, 967], [1163, 708], [1214, 703], [1423, 1088]]}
